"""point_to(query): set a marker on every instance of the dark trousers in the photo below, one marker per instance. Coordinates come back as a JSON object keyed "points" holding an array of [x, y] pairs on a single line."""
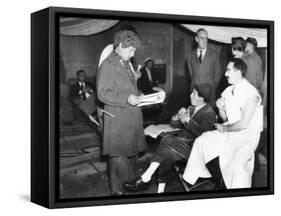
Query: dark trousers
{"points": [[121, 169], [171, 149]]}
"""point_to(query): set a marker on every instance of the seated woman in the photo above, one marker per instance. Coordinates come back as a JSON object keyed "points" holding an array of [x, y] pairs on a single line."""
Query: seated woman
{"points": [[195, 120], [146, 82], [227, 154]]}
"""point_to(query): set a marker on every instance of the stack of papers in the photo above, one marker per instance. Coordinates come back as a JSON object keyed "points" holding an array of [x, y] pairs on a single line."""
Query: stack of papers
{"points": [[155, 130], [150, 99]]}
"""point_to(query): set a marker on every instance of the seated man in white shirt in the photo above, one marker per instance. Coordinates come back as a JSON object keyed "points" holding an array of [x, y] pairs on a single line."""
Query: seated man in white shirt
{"points": [[227, 153]]}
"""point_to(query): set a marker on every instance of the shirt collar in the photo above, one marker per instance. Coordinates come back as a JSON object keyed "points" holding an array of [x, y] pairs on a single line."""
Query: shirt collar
{"points": [[203, 51], [197, 108], [239, 85]]}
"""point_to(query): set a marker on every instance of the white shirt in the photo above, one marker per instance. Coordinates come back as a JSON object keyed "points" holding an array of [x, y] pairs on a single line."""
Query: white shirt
{"points": [[148, 74], [236, 100], [82, 84], [203, 52]]}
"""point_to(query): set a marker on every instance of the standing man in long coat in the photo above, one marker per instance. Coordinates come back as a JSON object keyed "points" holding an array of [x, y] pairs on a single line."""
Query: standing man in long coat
{"points": [[203, 64], [123, 135]]}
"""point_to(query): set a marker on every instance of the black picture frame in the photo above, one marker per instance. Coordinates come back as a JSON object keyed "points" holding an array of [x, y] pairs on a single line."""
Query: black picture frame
{"points": [[45, 105]]}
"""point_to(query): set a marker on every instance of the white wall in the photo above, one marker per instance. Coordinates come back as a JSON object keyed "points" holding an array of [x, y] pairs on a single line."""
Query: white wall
{"points": [[15, 108]]}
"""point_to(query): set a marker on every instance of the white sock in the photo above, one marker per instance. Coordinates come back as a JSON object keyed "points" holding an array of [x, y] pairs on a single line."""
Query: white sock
{"points": [[146, 176], [161, 187]]}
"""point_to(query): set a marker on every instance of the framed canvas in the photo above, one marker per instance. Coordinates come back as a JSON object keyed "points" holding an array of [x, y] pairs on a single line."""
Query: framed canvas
{"points": [[137, 107]]}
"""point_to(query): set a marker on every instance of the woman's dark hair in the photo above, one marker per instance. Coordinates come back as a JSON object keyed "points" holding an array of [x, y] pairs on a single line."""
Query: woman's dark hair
{"points": [[204, 91], [127, 38]]}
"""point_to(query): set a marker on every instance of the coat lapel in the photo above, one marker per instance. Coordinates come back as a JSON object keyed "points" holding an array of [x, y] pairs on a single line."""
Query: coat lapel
{"points": [[194, 56]]}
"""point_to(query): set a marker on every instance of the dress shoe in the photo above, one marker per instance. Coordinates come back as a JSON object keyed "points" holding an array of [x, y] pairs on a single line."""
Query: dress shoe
{"points": [[136, 185], [118, 193]]}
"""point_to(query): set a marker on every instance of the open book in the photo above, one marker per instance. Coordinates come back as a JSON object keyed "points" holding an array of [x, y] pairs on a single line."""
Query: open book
{"points": [[153, 98], [155, 130]]}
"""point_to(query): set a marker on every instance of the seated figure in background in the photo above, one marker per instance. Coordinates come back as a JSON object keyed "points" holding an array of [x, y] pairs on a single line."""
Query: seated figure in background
{"points": [[195, 120], [146, 82], [83, 98]]}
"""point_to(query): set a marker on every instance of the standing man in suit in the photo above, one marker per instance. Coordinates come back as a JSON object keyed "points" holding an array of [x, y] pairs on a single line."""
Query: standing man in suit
{"points": [[146, 82], [83, 98], [203, 64]]}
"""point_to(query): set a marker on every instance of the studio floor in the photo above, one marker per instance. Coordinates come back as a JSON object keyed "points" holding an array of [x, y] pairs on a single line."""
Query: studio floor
{"points": [[83, 171]]}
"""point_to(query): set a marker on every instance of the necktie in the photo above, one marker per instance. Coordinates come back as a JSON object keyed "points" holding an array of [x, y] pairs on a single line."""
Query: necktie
{"points": [[200, 57], [128, 68]]}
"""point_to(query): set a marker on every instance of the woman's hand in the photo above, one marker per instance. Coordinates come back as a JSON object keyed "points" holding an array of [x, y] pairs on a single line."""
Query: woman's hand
{"points": [[182, 111], [220, 127], [175, 118], [133, 100], [184, 118]]}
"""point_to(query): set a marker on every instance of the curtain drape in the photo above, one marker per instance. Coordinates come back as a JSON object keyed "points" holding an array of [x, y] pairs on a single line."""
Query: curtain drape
{"points": [[84, 27], [224, 34]]}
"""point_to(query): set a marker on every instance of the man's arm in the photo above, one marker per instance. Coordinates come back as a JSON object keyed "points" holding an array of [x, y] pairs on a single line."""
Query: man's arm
{"points": [[220, 103], [205, 123], [259, 73], [246, 117]]}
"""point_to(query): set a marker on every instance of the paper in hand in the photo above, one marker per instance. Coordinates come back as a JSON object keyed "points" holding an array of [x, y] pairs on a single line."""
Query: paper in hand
{"points": [[153, 98], [155, 130]]}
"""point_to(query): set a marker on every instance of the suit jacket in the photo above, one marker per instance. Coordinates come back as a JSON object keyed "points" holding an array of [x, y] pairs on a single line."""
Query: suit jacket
{"points": [[144, 85], [209, 71], [123, 134], [254, 69], [87, 105], [75, 89], [203, 120]]}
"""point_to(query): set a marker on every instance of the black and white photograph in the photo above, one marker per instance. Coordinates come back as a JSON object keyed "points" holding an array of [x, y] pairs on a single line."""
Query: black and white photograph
{"points": [[154, 108], [139, 108]]}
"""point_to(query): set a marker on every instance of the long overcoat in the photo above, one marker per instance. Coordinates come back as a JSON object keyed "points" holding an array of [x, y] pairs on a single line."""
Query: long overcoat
{"points": [[123, 133]]}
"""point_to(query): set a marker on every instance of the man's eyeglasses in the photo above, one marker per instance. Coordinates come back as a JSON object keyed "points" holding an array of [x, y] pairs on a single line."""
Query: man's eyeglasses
{"points": [[240, 49]]}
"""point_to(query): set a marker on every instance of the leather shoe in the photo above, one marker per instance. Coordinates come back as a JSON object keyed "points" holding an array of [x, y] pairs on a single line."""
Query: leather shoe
{"points": [[118, 193], [136, 185]]}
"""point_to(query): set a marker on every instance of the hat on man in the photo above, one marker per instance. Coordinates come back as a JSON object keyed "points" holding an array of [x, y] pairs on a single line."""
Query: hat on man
{"points": [[147, 60], [252, 41], [238, 42]]}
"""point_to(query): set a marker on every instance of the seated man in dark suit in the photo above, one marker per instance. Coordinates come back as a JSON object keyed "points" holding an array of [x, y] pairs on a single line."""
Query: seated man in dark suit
{"points": [[146, 82], [195, 120], [83, 98]]}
